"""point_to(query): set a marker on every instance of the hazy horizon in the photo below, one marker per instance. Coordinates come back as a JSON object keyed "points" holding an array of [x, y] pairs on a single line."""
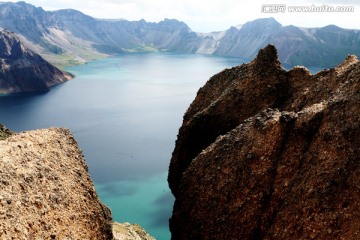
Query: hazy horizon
{"points": [[205, 17]]}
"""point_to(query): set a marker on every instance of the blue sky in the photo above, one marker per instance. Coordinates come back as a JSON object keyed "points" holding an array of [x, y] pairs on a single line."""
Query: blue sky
{"points": [[209, 15]]}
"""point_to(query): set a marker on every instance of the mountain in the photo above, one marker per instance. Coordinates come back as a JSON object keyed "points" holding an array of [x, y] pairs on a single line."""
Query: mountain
{"points": [[325, 47], [67, 37], [265, 153], [22, 70]]}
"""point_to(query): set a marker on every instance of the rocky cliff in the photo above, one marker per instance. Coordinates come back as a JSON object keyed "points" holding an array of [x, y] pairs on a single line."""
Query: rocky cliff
{"points": [[22, 70], [265, 153], [46, 191]]}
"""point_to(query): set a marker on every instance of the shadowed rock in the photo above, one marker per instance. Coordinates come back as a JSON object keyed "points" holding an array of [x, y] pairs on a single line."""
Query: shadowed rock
{"points": [[265, 153], [22, 70], [4, 132]]}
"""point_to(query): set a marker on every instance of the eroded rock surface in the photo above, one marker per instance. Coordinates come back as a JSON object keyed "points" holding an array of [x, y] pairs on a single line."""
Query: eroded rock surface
{"points": [[46, 191], [265, 153]]}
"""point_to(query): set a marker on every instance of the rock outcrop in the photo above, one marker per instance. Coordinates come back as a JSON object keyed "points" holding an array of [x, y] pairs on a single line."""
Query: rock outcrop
{"points": [[265, 153], [127, 231], [22, 70], [46, 191], [4, 132]]}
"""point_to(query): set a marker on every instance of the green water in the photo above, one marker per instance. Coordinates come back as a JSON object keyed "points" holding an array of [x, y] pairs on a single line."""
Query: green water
{"points": [[125, 113]]}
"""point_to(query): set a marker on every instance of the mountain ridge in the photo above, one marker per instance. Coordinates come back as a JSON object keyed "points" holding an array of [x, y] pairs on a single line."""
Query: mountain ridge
{"points": [[66, 37], [22, 70]]}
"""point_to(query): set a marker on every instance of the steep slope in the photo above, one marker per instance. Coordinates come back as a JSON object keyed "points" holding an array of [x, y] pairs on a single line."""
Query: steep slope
{"points": [[265, 153], [22, 70], [247, 40]]}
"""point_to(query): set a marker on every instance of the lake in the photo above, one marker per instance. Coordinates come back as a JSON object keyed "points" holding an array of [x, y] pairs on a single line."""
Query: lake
{"points": [[125, 113]]}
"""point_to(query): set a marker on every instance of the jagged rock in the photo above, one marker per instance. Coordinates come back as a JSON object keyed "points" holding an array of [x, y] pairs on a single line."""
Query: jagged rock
{"points": [[265, 153], [4, 132], [127, 231], [22, 70], [46, 191]]}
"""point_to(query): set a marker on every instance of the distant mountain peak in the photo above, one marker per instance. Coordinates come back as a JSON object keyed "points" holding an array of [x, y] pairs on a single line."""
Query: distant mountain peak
{"points": [[264, 21], [332, 28], [262, 26]]}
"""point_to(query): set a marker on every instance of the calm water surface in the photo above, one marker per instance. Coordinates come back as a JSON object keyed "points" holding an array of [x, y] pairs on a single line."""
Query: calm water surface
{"points": [[125, 113]]}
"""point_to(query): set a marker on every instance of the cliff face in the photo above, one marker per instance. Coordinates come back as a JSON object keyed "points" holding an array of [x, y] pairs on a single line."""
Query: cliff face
{"points": [[265, 153], [46, 191], [22, 70]]}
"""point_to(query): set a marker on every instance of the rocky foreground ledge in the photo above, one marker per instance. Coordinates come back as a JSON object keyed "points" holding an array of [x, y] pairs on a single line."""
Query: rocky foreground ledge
{"points": [[265, 153], [46, 191]]}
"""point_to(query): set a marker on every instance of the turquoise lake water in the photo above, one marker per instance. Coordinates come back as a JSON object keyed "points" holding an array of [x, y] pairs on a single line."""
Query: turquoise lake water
{"points": [[125, 113]]}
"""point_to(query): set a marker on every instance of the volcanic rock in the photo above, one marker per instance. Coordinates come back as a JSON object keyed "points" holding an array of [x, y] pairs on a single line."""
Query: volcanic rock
{"points": [[265, 153], [46, 191]]}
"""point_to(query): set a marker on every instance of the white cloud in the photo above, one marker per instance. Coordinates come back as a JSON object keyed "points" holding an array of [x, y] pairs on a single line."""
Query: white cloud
{"points": [[207, 15]]}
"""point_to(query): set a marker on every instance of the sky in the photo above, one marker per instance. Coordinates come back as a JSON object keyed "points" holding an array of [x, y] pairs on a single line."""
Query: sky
{"points": [[211, 15]]}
